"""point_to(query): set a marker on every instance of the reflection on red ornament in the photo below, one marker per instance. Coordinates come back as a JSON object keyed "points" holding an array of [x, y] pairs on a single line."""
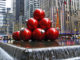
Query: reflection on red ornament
{"points": [[32, 24], [38, 34], [27, 45], [52, 34], [25, 34], [40, 44], [16, 36], [55, 43], [45, 23], [39, 14]]}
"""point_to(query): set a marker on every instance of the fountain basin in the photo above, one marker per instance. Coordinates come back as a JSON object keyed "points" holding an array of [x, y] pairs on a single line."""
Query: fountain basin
{"points": [[45, 53]]}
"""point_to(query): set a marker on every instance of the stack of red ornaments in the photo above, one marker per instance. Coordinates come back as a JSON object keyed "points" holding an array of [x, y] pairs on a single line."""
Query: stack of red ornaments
{"points": [[38, 29]]}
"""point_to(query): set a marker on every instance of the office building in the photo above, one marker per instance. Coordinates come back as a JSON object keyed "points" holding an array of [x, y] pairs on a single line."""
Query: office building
{"points": [[19, 8], [2, 16], [18, 12], [29, 7]]}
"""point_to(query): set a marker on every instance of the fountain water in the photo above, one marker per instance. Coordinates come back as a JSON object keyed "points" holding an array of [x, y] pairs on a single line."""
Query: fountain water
{"points": [[53, 53]]}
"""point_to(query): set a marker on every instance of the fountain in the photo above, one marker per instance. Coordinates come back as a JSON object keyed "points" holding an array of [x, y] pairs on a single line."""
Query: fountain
{"points": [[43, 44], [45, 53], [53, 53]]}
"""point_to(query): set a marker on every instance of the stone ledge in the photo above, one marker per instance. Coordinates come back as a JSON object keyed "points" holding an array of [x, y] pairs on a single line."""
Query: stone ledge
{"points": [[49, 53], [4, 55], [14, 51]]}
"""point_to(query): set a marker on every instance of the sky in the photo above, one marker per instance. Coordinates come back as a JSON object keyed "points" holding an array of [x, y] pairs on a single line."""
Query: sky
{"points": [[9, 3]]}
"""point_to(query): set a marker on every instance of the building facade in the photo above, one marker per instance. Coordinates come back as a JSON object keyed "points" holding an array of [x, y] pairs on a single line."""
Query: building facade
{"points": [[18, 12], [6, 16], [19, 8], [66, 10], [46, 6], [29, 7], [2, 16], [75, 16], [75, 19]]}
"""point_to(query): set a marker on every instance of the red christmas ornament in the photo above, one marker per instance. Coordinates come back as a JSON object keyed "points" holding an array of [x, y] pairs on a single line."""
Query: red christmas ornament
{"points": [[52, 34], [38, 34], [25, 34], [39, 14], [32, 24], [16, 36], [45, 23]]}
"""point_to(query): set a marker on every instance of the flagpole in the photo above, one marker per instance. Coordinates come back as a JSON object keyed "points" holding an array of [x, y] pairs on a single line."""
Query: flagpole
{"points": [[62, 18], [64, 15], [52, 13], [61, 14], [70, 15]]}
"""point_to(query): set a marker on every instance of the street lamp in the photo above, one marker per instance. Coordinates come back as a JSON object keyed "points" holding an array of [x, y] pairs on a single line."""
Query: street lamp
{"points": [[7, 18]]}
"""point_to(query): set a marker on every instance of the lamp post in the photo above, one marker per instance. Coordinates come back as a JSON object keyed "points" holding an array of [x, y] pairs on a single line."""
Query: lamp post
{"points": [[70, 15], [7, 18]]}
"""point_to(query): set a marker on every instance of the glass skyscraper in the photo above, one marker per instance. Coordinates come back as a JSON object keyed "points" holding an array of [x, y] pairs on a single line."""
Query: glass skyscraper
{"points": [[29, 7], [2, 15], [18, 12], [2, 11]]}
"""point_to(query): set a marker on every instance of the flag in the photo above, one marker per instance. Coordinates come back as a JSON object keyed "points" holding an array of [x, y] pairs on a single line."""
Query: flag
{"points": [[57, 22], [65, 2]]}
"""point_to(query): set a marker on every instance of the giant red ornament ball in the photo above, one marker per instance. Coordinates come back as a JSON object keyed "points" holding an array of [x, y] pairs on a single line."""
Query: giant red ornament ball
{"points": [[25, 34], [45, 23], [38, 34], [16, 36], [32, 24], [52, 34], [39, 14], [38, 25]]}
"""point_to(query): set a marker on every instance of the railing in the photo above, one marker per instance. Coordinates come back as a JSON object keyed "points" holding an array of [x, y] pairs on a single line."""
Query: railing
{"points": [[66, 42]]}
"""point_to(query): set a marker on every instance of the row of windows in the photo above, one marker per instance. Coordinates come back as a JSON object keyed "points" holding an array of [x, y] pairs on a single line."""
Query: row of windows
{"points": [[1, 23], [1, 18], [36, 0], [36, 4], [2, 0], [2, 4], [2, 12], [2, 7], [30, 2]]}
